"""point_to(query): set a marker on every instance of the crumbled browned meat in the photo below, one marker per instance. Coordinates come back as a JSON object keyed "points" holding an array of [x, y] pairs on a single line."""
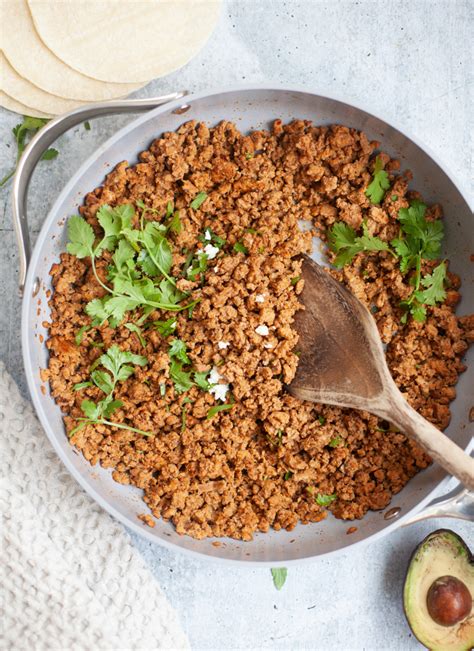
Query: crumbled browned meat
{"points": [[262, 463]]}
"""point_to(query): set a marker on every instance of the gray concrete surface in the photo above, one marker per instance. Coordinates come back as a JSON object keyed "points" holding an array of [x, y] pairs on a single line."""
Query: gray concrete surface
{"points": [[410, 61]]}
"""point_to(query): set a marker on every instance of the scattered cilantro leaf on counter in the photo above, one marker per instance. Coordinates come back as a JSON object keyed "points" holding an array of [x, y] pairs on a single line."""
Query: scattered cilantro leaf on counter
{"points": [[119, 365], [239, 247], [217, 408], [335, 441], [30, 126], [346, 244], [87, 125], [198, 200], [50, 154], [279, 575], [178, 350], [325, 500], [379, 184]]}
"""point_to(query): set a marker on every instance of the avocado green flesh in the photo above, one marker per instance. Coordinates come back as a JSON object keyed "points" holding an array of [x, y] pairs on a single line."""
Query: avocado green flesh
{"points": [[441, 553]]}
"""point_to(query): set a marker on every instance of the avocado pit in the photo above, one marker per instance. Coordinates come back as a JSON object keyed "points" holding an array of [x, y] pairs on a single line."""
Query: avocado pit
{"points": [[448, 601]]}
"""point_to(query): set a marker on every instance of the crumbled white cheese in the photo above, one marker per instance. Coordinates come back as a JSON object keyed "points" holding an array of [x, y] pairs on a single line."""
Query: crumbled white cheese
{"points": [[216, 269], [262, 330], [222, 345], [207, 235], [259, 298], [219, 391], [211, 251], [269, 346]]}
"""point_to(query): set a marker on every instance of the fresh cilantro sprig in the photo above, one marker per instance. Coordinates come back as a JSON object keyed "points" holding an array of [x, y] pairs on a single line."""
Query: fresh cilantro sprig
{"points": [[29, 126], [139, 273], [118, 366], [379, 184], [433, 292], [420, 240], [344, 241]]}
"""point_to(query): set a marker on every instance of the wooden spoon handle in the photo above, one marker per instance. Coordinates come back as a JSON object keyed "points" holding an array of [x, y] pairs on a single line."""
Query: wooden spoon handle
{"points": [[439, 446]]}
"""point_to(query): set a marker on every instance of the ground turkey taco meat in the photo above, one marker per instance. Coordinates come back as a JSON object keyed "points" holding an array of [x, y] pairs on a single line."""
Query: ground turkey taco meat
{"points": [[189, 403]]}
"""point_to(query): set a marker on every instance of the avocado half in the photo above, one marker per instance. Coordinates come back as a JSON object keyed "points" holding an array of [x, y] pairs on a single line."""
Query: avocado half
{"points": [[441, 554]]}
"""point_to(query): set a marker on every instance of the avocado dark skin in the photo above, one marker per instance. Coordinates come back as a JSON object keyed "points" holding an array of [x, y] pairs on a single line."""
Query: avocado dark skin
{"points": [[439, 591]]}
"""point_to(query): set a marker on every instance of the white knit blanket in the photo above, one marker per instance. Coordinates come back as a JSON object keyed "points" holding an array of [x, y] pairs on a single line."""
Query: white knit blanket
{"points": [[70, 578]]}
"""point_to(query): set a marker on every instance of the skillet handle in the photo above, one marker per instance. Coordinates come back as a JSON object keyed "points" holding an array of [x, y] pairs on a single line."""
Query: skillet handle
{"points": [[459, 503], [43, 139]]}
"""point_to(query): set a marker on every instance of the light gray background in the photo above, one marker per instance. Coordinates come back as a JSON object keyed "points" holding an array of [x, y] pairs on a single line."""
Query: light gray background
{"points": [[409, 61]]}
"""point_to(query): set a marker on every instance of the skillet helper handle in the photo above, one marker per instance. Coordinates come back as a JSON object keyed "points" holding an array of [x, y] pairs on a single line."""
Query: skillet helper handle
{"points": [[43, 139], [459, 503]]}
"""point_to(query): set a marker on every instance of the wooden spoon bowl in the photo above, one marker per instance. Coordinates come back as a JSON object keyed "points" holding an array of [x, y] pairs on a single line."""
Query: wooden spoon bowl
{"points": [[342, 363]]}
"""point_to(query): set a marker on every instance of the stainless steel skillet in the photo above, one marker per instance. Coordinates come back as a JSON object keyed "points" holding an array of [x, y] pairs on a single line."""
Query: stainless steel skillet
{"points": [[249, 108]]}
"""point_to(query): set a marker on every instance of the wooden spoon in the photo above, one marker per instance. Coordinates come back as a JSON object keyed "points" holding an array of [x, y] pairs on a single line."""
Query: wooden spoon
{"points": [[342, 363]]}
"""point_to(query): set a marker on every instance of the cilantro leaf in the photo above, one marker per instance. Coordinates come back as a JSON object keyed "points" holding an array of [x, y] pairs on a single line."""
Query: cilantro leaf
{"points": [[433, 283], [80, 334], [103, 381], [20, 131], [178, 350], [279, 575], [181, 379], [175, 224], [82, 385], [217, 408], [81, 236], [379, 184], [325, 500], [198, 200], [138, 331], [90, 409], [239, 247], [200, 378], [344, 241], [165, 328], [335, 441], [422, 239], [50, 154]]}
